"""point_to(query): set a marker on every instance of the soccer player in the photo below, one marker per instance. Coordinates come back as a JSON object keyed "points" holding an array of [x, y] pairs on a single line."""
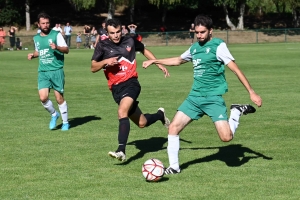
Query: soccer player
{"points": [[50, 48], [209, 55], [116, 57]]}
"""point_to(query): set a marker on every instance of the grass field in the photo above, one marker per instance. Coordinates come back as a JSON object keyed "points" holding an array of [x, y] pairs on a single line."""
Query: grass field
{"points": [[262, 162]]}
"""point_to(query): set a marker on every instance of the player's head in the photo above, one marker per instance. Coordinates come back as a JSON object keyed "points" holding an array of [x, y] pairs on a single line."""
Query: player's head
{"points": [[44, 23], [203, 28], [113, 27]]}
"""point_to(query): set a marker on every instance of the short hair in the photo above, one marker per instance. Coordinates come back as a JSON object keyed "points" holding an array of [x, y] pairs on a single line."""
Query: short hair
{"points": [[203, 20], [113, 22], [43, 15]]}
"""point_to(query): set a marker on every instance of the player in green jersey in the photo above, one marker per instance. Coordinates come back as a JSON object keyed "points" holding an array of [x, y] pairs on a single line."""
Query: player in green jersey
{"points": [[209, 56], [50, 48]]}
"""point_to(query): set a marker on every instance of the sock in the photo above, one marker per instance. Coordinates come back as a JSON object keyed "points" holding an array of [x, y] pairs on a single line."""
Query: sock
{"points": [[234, 120], [173, 151], [63, 108], [48, 105], [152, 118], [124, 128]]}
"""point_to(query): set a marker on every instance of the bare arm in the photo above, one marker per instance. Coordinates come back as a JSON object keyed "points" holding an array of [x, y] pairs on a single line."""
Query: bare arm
{"points": [[30, 56], [253, 96], [60, 49], [174, 61], [150, 56], [96, 66]]}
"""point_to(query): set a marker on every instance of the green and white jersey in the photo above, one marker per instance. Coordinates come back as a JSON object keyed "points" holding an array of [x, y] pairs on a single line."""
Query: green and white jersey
{"points": [[208, 62], [49, 59]]}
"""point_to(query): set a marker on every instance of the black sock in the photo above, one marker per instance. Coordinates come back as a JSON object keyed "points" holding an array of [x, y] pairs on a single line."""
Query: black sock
{"points": [[124, 128], [152, 118]]}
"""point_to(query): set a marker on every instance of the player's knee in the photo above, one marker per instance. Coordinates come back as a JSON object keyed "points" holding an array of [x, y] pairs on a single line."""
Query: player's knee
{"points": [[226, 138], [142, 125], [43, 99]]}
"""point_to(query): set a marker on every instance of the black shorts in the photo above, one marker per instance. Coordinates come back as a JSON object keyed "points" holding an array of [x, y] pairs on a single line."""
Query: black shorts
{"points": [[130, 88]]}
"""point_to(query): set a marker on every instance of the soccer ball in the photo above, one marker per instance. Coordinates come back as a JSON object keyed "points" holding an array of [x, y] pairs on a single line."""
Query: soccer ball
{"points": [[153, 170]]}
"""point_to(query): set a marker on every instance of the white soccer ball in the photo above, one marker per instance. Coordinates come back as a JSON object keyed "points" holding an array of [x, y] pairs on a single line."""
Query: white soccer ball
{"points": [[153, 170]]}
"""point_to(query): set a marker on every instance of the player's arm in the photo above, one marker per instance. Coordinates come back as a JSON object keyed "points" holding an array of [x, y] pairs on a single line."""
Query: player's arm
{"points": [[236, 70], [174, 61], [61, 45], [150, 56], [35, 54], [225, 56], [96, 66]]}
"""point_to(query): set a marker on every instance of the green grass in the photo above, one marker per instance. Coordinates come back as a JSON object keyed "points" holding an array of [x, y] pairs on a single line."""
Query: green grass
{"points": [[262, 162]]}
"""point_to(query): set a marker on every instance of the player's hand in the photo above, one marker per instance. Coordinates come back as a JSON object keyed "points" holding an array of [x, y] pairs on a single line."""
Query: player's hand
{"points": [[30, 56], [147, 63], [53, 46], [112, 61], [256, 99], [165, 71]]}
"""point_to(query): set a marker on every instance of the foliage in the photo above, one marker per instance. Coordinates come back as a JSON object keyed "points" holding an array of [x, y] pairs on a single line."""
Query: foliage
{"points": [[83, 4], [160, 3], [10, 12]]}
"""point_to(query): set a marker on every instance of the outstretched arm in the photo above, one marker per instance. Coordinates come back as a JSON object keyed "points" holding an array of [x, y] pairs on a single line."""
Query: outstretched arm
{"points": [[149, 55], [253, 96], [174, 61]]}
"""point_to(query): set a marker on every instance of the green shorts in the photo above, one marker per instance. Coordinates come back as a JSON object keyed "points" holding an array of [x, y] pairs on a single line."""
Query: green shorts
{"points": [[212, 106], [52, 79]]}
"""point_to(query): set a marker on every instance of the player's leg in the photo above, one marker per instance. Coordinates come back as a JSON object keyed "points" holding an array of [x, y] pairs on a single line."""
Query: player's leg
{"points": [[44, 86], [145, 120], [179, 122], [124, 128], [58, 81]]}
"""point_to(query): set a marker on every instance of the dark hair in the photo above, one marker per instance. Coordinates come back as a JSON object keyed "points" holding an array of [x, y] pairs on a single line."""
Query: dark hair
{"points": [[43, 15], [202, 20], [113, 22]]}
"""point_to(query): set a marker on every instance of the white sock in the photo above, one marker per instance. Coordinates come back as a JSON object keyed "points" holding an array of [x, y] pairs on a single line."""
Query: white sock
{"points": [[63, 108], [173, 151], [48, 105], [234, 119]]}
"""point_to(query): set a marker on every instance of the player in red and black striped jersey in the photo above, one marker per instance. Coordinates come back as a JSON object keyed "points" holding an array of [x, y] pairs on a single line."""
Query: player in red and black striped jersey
{"points": [[116, 56]]}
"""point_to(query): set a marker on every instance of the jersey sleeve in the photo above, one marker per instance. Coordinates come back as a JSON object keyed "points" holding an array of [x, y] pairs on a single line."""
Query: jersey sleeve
{"points": [[60, 40], [138, 45], [98, 52], [186, 55], [223, 54]]}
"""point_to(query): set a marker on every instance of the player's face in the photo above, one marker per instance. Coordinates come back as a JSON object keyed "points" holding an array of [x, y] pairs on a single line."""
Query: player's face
{"points": [[44, 25], [114, 34], [203, 34]]}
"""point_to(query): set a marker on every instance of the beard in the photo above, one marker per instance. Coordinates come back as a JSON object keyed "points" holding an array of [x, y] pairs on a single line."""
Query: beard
{"points": [[46, 31]]}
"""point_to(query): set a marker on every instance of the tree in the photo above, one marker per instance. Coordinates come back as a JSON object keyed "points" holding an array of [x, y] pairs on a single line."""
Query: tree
{"points": [[27, 15], [164, 6], [241, 4], [10, 12]]}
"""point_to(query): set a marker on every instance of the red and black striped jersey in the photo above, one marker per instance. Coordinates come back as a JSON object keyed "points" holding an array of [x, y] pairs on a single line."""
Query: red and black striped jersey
{"points": [[125, 51]]}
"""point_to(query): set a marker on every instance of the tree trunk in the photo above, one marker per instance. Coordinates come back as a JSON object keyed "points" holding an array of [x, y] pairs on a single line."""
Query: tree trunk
{"points": [[111, 9], [131, 13], [164, 14], [240, 25], [27, 13], [295, 18], [229, 23]]}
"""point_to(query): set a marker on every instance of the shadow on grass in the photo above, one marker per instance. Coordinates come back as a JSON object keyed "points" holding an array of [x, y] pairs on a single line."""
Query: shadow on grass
{"points": [[232, 155], [78, 121], [153, 144]]}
